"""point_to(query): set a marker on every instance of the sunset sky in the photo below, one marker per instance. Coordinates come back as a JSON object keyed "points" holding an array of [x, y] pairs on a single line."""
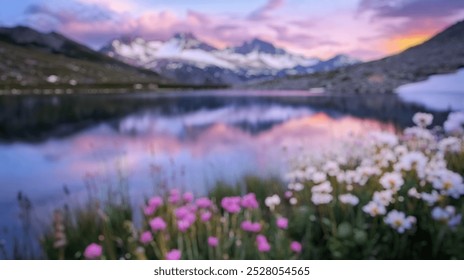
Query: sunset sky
{"points": [[366, 29]]}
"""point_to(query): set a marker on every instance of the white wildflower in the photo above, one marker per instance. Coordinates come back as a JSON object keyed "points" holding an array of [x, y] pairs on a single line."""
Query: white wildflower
{"points": [[422, 119], [398, 221], [293, 176], [412, 192], [331, 168], [385, 157], [319, 177], [449, 183], [272, 201], [454, 123], [350, 176], [321, 198], [419, 133], [374, 209], [400, 150], [293, 201], [348, 199], [446, 215], [455, 220], [430, 198], [309, 171], [412, 161], [324, 187], [384, 197], [449, 144], [385, 138], [296, 186], [392, 180], [341, 177], [363, 173]]}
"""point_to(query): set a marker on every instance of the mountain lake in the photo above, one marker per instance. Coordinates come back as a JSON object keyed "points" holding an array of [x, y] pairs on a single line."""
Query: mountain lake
{"points": [[52, 145]]}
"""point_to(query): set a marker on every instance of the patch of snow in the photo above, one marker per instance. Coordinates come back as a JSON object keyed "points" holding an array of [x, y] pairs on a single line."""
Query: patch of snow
{"points": [[439, 92]]}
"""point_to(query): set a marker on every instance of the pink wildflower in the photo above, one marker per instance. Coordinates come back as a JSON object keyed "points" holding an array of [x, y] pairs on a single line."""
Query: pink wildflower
{"points": [[174, 196], [149, 210], [157, 224], [263, 244], [250, 226], [231, 204], [213, 241], [93, 251], [188, 197], [155, 201], [295, 246], [206, 216], [203, 202], [282, 223], [146, 237], [183, 225], [173, 255], [249, 201], [181, 212]]}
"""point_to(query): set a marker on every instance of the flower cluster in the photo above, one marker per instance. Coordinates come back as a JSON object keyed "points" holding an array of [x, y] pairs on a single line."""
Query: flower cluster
{"points": [[376, 194]]}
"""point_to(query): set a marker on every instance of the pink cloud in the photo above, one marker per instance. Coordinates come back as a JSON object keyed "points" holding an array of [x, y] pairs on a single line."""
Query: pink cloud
{"points": [[264, 11], [413, 8], [404, 23], [316, 35]]}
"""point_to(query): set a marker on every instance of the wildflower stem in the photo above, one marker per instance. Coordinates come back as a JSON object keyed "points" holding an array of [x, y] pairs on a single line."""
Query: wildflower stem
{"points": [[188, 245], [440, 237]]}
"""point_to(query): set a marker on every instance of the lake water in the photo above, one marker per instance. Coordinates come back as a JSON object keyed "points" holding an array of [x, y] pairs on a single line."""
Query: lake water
{"points": [[187, 139]]}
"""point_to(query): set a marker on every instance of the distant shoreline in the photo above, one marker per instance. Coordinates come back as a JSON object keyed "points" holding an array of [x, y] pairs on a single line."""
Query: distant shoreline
{"points": [[98, 88]]}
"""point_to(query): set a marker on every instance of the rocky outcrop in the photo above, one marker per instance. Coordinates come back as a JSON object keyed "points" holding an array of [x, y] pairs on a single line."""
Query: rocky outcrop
{"points": [[443, 53]]}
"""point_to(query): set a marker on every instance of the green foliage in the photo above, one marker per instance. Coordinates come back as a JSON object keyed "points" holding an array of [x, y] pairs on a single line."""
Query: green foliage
{"points": [[328, 223]]}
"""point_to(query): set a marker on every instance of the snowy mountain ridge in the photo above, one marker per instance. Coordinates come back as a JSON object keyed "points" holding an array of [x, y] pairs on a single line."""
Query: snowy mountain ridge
{"points": [[183, 55]]}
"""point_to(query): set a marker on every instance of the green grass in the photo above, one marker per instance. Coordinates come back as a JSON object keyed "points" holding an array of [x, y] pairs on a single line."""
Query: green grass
{"points": [[329, 229]]}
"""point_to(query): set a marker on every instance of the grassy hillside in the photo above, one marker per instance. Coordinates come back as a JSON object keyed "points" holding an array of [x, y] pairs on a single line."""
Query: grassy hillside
{"points": [[33, 60]]}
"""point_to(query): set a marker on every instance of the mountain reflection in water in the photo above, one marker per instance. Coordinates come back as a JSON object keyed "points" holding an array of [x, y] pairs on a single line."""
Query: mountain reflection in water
{"points": [[188, 140]]}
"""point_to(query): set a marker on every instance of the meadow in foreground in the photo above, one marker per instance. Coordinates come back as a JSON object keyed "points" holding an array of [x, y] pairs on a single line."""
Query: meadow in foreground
{"points": [[387, 197]]}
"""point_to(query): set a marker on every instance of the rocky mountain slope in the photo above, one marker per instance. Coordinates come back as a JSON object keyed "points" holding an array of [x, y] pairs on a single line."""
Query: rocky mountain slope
{"points": [[443, 53], [31, 59], [185, 58]]}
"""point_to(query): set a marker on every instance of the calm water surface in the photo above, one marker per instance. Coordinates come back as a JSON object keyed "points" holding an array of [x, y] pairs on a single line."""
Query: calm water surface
{"points": [[186, 139]]}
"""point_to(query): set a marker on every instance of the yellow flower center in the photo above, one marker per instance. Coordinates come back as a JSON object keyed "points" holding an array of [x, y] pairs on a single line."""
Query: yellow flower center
{"points": [[397, 223], [392, 182]]}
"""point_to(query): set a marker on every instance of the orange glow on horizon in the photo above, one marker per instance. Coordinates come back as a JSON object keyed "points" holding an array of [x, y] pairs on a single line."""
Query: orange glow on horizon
{"points": [[399, 44]]}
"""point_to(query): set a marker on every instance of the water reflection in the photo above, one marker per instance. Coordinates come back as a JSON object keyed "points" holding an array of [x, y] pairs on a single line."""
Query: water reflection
{"points": [[188, 141], [224, 143]]}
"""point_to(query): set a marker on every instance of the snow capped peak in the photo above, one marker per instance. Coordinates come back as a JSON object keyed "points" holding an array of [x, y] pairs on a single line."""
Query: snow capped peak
{"points": [[124, 39], [344, 59], [185, 56], [184, 36], [186, 40], [257, 45]]}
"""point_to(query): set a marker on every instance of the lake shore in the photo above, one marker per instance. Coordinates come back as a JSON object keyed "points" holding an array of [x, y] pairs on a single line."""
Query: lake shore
{"points": [[391, 197]]}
